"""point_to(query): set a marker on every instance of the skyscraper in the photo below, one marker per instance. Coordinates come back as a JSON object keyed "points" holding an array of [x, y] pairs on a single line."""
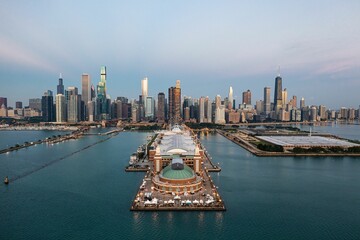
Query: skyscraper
{"points": [[18, 104], [35, 103], [60, 108], [247, 97], [73, 105], [60, 86], [175, 104], [278, 94], [204, 110], [150, 108], [267, 103], [302, 103], [161, 108], [47, 106], [231, 98], [144, 88], [284, 98], [85, 94], [102, 108]]}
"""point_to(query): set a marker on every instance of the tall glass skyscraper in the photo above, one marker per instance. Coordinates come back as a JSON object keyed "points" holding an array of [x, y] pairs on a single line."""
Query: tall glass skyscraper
{"points": [[278, 94], [60, 86], [102, 108]]}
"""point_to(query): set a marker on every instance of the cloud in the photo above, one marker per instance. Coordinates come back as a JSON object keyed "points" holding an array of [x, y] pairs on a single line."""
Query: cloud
{"points": [[11, 52]]}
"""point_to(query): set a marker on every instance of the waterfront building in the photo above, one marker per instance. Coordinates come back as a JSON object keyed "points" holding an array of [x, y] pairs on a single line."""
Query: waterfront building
{"points": [[230, 99], [343, 113], [60, 86], [267, 103], [313, 114], [60, 108], [73, 105], [295, 115], [161, 108], [47, 106], [220, 115], [322, 112], [175, 104], [278, 95], [247, 97], [177, 162], [351, 114], [204, 110]]}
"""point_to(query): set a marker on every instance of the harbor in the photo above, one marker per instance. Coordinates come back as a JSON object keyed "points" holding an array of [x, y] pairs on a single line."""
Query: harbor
{"points": [[177, 175]]}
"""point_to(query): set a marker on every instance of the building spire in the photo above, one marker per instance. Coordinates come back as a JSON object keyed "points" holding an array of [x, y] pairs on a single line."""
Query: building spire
{"points": [[279, 71]]}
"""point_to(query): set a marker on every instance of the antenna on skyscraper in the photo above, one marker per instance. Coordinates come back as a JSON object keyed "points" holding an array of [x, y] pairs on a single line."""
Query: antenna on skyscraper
{"points": [[279, 71]]}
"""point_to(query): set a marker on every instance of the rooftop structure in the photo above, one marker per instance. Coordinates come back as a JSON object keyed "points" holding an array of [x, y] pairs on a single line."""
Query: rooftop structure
{"points": [[307, 141]]}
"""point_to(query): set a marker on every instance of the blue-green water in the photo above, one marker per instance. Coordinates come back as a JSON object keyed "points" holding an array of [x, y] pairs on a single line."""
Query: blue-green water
{"points": [[88, 195]]}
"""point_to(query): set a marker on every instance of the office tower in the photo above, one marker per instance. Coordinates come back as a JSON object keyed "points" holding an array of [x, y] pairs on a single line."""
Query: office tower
{"points": [[230, 99], [92, 93], [302, 103], [85, 94], [150, 108], [161, 108], [47, 106], [259, 106], [102, 104], [3, 110], [247, 97], [278, 94], [322, 112], [267, 103], [60, 86], [313, 114], [175, 104], [60, 108], [217, 101], [35, 103], [85, 88], [284, 98], [343, 113], [294, 101], [18, 105], [204, 110], [220, 115], [73, 105], [3, 101], [144, 87]]}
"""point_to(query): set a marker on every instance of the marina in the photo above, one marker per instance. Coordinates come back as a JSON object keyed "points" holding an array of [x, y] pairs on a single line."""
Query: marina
{"points": [[177, 174]]}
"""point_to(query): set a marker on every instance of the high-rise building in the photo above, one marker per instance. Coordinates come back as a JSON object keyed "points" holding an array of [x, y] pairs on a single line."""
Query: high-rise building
{"points": [[18, 105], [302, 103], [85, 94], [247, 97], [102, 104], [284, 98], [150, 108], [217, 101], [47, 106], [205, 110], [92, 93], [60, 86], [322, 112], [278, 94], [267, 103], [73, 105], [230, 98], [161, 108], [35, 103], [3, 101], [294, 101], [144, 88], [175, 104], [60, 108]]}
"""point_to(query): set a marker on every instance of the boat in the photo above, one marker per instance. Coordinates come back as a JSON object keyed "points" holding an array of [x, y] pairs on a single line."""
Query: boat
{"points": [[6, 180], [133, 159]]}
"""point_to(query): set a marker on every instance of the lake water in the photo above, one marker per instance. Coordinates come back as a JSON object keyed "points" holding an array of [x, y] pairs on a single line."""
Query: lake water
{"points": [[87, 195]]}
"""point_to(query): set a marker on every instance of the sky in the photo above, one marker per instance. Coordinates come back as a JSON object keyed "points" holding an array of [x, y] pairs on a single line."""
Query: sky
{"points": [[208, 45]]}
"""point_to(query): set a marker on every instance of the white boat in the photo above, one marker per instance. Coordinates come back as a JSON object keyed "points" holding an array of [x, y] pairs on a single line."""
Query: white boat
{"points": [[133, 159]]}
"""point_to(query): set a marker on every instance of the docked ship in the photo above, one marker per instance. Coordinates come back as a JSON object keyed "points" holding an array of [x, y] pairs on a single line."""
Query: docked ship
{"points": [[133, 159]]}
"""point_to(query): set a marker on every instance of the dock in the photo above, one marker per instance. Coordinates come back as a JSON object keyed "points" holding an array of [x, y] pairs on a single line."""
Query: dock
{"points": [[150, 197]]}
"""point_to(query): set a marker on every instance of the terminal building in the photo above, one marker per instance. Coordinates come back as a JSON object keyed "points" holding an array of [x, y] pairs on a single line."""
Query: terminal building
{"points": [[177, 161]]}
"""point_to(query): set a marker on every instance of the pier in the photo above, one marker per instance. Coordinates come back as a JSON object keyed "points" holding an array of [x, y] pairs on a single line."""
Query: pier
{"points": [[164, 188]]}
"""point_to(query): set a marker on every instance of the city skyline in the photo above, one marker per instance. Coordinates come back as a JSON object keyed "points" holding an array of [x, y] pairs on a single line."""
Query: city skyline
{"points": [[216, 44]]}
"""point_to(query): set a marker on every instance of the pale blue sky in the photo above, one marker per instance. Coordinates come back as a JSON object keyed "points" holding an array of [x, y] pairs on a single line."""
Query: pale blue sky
{"points": [[208, 45]]}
